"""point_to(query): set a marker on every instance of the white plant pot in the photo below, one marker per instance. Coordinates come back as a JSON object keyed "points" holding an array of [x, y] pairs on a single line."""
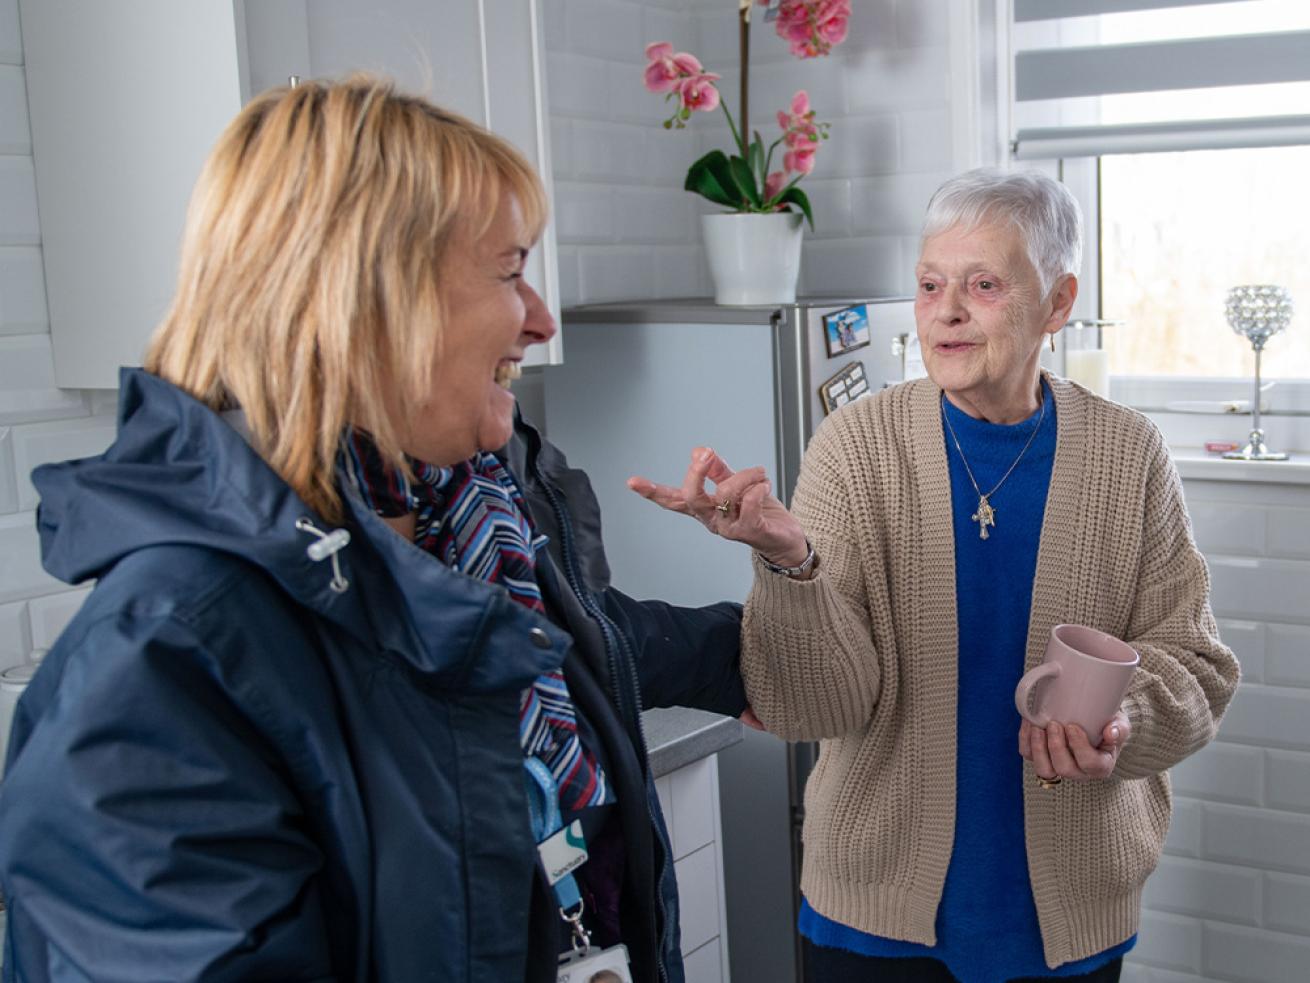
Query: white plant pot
{"points": [[754, 259]]}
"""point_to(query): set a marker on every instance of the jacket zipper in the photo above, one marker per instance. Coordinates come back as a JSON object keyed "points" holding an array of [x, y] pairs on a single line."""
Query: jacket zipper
{"points": [[625, 698]]}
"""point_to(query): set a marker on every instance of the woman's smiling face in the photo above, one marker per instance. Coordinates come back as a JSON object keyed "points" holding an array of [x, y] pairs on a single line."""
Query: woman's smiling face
{"points": [[492, 316], [982, 318]]}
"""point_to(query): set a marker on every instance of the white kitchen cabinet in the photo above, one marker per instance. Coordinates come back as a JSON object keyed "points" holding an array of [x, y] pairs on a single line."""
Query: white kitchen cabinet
{"points": [[689, 799], [126, 100]]}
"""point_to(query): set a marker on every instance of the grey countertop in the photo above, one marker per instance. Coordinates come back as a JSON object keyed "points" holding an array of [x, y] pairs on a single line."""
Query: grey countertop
{"points": [[677, 736]]}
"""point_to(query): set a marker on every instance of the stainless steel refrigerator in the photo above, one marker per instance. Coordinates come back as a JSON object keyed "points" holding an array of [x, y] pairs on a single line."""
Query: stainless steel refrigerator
{"points": [[641, 385]]}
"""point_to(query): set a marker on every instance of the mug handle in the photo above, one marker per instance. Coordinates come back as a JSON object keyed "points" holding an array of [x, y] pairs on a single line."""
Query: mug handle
{"points": [[1023, 693]]}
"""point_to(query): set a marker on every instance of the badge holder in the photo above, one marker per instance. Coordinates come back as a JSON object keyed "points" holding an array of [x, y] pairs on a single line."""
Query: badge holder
{"points": [[560, 851]]}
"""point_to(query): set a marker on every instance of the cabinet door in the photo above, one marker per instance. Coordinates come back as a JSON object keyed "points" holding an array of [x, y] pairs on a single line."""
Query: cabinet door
{"points": [[125, 101], [483, 59]]}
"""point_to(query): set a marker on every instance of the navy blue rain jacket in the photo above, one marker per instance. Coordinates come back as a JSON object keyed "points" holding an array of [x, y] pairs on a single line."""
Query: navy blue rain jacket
{"points": [[229, 769]]}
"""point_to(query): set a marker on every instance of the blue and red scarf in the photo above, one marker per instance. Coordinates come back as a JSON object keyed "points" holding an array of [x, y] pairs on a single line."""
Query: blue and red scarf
{"points": [[473, 518]]}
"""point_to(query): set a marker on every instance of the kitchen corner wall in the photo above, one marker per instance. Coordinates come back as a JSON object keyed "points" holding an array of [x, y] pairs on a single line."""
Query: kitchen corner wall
{"points": [[38, 422], [627, 230]]}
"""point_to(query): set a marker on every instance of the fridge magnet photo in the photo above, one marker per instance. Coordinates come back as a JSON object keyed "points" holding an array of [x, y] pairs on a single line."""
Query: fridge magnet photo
{"points": [[848, 385], [846, 330]]}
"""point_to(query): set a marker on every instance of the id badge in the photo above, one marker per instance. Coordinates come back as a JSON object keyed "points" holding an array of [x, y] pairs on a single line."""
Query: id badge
{"points": [[595, 966]]}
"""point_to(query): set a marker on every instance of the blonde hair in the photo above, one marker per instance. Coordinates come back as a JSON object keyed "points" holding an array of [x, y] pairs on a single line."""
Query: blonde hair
{"points": [[309, 290]]}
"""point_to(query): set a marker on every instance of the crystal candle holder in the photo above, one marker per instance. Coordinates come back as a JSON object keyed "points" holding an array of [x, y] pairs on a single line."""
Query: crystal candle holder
{"points": [[1257, 312]]}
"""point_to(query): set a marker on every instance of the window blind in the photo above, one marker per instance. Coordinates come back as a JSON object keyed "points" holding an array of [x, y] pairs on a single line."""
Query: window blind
{"points": [[1131, 76]]}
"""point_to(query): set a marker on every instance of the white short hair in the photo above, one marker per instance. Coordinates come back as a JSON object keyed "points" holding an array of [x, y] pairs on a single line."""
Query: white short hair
{"points": [[1043, 210]]}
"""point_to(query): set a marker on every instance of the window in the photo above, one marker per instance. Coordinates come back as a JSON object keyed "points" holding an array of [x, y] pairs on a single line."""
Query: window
{"points": [[1176, 231], [1183, 126]]}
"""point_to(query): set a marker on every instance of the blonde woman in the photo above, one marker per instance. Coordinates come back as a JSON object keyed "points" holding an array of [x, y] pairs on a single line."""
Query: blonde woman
{"points": [[329, 691]]}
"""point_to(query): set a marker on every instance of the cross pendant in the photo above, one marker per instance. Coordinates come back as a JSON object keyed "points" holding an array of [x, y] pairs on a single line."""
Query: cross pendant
{"points": [[985, 516]]}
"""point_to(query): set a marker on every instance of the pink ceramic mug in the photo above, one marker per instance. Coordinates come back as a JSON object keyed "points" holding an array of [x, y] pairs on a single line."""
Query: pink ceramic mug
{"points": [[1082, 680]]}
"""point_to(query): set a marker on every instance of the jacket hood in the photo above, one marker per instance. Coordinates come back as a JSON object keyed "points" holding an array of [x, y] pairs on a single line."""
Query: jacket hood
{"points": [[178, 474]]}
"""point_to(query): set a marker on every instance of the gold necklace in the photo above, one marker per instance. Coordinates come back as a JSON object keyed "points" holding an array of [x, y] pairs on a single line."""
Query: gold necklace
{"points": [[986, 514]]}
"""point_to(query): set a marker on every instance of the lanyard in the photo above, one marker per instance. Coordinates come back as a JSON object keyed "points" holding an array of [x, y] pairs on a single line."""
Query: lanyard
{"points": [[560, 849]]}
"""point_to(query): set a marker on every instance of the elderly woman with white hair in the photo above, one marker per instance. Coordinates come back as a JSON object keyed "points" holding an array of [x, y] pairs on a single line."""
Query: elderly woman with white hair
{"points": [[939, 530]]}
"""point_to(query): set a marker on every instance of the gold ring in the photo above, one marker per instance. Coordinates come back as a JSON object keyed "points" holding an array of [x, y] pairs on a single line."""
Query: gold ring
{"points": [[1048, 782], [725, 506]]}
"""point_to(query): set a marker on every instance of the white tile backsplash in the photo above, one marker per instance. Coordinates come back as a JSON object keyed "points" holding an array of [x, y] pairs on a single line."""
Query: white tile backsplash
{"points": [[1287, 903], [891, 205], [15, 637], [1234, 953], [21, 575], [1205, 890], [1262, 838], [43, 443], [868, 145], [1288, 778], [27, 383], [606, 29], [1223, 772], [614, 273], [584, 212], [858, 267], [8, 477], [1268, 716], [1169, 941], [22, 291], [1288, 655]]}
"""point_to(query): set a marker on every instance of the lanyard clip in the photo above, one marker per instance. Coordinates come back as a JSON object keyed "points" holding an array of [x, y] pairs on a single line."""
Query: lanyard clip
{"points": [[581, 937]]}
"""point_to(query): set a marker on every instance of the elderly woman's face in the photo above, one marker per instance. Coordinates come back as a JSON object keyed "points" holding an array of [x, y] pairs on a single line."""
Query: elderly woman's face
{"points": [[981, 315], [493, 317]]}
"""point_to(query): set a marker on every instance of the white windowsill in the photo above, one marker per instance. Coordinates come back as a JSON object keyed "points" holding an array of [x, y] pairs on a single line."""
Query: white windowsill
{"points": [[1195, 462]]}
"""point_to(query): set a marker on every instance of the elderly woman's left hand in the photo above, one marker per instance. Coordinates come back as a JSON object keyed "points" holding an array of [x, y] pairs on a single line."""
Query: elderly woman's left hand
{"points": [[1063, 750]]}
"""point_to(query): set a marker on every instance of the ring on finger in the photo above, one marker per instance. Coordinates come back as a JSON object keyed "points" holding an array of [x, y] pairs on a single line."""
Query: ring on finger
{"points": [[725, 506], [1048, 783]]}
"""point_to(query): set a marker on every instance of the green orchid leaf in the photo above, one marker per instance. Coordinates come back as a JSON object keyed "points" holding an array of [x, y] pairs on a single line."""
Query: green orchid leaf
{"points": [[711, 178], [757, 156], [745, 181], [797, 197]]}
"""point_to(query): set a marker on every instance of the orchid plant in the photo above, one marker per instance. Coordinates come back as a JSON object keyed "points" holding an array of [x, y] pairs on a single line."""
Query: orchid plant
{"points": [[743, 181]]}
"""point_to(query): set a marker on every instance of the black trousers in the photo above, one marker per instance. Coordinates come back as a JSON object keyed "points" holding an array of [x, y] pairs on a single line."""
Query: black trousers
{"points": [[826, 965]]}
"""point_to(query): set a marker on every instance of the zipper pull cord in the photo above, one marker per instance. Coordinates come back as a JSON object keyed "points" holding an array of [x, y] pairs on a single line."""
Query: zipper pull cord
{"points": [[327, 546]]}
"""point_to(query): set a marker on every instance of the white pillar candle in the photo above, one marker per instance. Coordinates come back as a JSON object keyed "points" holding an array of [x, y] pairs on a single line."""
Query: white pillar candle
{"points": [[1090, 367]]}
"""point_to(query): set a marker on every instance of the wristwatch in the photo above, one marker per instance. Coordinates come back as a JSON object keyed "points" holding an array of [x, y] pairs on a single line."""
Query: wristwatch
{"points": [[801, 569]]}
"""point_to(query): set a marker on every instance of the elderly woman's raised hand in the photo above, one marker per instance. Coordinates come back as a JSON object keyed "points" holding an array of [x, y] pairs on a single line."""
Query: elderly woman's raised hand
{"points": [[742, 508]]}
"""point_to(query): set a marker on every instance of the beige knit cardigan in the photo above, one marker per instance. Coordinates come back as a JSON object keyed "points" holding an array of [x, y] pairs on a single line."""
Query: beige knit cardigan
{"points": [[863, 657]]}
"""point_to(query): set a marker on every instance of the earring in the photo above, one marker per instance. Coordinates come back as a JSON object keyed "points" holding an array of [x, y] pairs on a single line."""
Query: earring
{"points": [[1051, 339]]}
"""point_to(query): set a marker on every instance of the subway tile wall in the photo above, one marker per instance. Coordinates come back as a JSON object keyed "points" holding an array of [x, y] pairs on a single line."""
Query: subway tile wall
{"points": [[38, 422], [1231, 899], [626, 228]]}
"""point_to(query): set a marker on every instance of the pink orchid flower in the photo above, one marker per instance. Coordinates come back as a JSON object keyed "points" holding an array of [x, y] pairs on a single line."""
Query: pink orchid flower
{"points": [[800, 160], [700, 93], [812, 27], [773, 184], [661, 72], [665, 71]]}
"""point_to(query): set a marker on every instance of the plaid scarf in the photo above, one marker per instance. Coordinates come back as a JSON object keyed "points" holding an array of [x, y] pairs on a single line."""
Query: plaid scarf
{"points": [[473, 518]]}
